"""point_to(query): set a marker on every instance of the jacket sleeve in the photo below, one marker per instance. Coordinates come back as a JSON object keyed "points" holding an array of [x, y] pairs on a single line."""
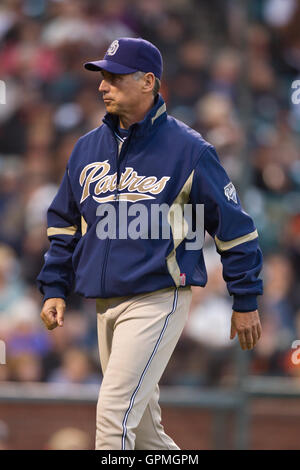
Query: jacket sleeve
{"points": [[64, 231], [232, 229]]}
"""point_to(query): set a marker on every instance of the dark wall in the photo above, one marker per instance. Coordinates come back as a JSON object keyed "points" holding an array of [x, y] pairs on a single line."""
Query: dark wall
{"points": [[274, 424]]}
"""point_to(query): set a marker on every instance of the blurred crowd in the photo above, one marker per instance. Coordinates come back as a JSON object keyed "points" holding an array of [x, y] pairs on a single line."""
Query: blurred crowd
{"points": [[228, 73]]}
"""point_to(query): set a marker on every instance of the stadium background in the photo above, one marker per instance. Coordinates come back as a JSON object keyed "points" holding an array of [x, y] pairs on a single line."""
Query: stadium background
{"points": [[229, 66]]}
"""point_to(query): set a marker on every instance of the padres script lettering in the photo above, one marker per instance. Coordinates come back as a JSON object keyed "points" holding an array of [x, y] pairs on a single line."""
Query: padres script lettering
{"points": [[97, 172]]}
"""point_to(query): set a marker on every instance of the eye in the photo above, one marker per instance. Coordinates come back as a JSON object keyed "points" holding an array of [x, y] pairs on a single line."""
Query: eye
{"points": [[117, 78]]}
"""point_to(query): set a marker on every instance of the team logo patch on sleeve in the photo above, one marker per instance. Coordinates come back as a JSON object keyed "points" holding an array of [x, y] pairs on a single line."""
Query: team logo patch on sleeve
{"points": [[230, 192]]}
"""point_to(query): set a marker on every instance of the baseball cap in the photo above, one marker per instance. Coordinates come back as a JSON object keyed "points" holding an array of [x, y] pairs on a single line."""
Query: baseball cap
{"points": [[128, 55]]}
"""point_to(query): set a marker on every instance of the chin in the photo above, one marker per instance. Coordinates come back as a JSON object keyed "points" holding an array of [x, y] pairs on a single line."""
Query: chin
{"points": [[111, 108]]}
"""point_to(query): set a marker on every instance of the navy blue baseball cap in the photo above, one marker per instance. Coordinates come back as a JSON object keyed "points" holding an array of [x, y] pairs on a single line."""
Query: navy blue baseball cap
{"points": [[128, 55]]}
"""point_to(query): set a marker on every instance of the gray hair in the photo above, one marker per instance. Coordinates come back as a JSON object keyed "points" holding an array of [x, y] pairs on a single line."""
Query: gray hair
{"points": [[157, 83]]}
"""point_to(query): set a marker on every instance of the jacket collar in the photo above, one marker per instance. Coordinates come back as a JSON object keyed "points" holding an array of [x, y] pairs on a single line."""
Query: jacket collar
{"points": [[151, 121]]}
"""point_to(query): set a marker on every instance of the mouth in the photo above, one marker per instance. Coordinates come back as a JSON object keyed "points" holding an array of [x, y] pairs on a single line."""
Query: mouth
{"points": [[106, 100]]}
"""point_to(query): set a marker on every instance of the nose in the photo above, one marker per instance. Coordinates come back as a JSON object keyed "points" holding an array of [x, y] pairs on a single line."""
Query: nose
{"points": [[104, 86]]}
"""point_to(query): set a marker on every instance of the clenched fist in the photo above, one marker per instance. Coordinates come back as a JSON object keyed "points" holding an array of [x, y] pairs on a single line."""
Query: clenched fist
{"points": [[52, 313]]}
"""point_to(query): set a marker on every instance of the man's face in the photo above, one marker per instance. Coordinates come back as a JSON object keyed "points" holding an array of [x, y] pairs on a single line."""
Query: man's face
{"points": [[121, 93]]}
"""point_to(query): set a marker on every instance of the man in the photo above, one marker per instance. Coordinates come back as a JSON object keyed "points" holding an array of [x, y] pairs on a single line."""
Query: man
{"points": [[142, 284]]}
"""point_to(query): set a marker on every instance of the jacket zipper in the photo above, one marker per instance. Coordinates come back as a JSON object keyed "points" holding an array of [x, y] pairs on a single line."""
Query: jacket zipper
{"points": [[118, 158]]}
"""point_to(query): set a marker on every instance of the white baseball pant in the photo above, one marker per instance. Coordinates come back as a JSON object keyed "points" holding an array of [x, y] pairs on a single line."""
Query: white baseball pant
{"points": [[137, 336]]}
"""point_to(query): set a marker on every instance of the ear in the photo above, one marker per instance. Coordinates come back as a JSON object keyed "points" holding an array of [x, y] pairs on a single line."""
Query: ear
{"points": [[149, 80]]}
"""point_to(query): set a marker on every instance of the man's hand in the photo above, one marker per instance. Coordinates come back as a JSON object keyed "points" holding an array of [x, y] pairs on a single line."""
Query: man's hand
{"points": [[52, 313], [247, 326]]}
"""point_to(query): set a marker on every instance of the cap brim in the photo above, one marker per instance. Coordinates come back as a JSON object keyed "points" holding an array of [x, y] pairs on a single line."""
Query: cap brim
{"points": [[109, 66]]}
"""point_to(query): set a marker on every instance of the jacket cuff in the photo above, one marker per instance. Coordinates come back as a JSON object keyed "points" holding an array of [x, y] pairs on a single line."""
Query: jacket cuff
{"points": [[244, 303], [55, 290]]}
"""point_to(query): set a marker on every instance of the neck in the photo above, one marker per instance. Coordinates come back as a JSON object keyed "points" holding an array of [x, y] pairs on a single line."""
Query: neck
{"points": [[136, 115]]}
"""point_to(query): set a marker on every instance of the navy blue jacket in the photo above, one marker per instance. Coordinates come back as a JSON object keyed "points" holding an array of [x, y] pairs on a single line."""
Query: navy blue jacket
{"points": [[161, 161]]}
